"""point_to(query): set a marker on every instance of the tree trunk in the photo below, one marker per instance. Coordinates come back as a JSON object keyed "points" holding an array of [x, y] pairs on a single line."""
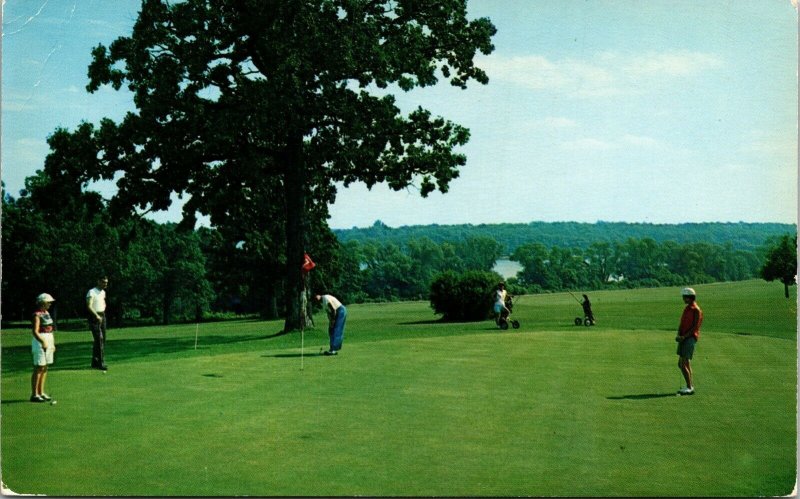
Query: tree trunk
{"points": [[295, 179], [786, 289], [166, 305], [270, 308]]}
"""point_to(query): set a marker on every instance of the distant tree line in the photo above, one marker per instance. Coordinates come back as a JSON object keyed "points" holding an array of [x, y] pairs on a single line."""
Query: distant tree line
{"points": [[383, 271], [741, 235], [632, 263], [58, 238]]}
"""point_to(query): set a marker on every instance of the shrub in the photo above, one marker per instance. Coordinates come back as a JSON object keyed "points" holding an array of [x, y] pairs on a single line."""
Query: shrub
{"points": [[467, 296]]}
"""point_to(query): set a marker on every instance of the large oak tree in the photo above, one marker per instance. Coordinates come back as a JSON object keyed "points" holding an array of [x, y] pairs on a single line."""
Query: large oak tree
{"points": [[245, 100]]}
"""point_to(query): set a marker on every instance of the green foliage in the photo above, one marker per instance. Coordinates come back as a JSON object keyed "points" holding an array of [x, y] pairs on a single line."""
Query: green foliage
{"points": [[155, 271], [477, 253], [741, 236], [56, 239], [467, 296], [632, 263], [781, 262]]}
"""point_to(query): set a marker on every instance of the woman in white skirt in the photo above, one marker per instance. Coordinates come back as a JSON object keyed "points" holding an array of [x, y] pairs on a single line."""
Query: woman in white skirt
{"points": [[43, 346]]}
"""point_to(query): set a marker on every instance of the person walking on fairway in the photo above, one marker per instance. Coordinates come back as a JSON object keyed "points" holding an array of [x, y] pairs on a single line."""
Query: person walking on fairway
{"points": [[43, 346], [688, 334], [587, 308], [96, 304], [337, 314]]}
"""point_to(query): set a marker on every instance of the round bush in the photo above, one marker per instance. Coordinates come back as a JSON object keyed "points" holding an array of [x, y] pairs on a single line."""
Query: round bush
{"points": [[468, 296]]}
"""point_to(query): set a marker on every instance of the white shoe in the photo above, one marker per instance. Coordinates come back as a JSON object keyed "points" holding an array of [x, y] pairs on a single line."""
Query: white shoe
{"points": [[686, 391]]}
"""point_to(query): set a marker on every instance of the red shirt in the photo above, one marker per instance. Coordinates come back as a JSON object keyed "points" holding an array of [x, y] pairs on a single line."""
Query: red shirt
{"points": [[691, 320], [45, 321]]}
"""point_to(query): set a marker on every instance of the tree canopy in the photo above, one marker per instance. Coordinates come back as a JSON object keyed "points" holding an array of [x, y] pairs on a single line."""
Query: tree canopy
{"points": [[781, 262], [263, 105]]}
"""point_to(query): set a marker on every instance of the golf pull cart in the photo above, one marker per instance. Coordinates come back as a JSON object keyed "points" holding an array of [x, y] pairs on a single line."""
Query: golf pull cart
{"points": [[588, 318], [503, 319]]}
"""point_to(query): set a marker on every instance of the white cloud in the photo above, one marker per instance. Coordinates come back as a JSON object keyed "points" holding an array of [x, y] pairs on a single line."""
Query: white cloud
{"points": [[588, 144], [539, 125], [642, 141], [777, 146], [626, 142], [671, 64], [603, 75], [558, 122]]}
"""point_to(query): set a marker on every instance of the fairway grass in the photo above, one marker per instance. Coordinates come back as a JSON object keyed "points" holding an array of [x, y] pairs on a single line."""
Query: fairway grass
{"points": [[421, 408]]}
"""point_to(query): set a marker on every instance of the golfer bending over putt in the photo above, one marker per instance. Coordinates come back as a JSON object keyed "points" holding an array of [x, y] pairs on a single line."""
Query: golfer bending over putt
{"points": [[337, 314], [688, 333]]}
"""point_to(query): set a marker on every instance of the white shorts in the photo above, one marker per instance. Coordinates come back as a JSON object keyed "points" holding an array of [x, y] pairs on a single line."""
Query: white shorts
{"points": [[42, 357]]}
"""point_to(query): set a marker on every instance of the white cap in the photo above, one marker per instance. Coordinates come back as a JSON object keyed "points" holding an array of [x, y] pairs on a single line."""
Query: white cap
{"points": [[44, 298], [688, 292]]}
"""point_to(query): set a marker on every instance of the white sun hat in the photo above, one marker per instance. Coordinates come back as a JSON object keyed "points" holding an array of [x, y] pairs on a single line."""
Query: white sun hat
{"points": [[688, 292], [44, 298]]}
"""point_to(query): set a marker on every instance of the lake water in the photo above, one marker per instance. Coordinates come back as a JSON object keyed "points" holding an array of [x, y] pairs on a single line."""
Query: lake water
{"points": [[507, 268]]}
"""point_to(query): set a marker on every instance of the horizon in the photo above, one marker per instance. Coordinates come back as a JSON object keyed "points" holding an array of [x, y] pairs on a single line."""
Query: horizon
{"points": [[597, 222]]}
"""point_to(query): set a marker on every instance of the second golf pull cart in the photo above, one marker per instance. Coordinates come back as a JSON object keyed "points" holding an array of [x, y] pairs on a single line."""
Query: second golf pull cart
{"points": [[588, 316]]}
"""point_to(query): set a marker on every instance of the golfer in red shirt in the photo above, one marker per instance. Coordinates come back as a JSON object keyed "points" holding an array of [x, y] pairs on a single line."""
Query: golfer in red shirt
{"points": [[688, 334]]}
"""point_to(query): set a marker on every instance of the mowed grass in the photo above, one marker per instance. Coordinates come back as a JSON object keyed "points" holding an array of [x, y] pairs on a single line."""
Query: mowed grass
{"points": [[417, 407]]}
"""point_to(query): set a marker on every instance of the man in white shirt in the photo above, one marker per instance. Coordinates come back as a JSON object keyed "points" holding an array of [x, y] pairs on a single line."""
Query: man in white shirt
{"points": [[337, 314], [96, 304]]}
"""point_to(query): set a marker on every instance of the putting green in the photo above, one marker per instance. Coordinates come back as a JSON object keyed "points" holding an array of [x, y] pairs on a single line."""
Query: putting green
{"points": [[409, 408]]}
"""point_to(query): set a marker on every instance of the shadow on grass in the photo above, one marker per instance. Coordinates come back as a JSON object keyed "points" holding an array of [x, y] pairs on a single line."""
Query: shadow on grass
{"points": [[292, 355], [416, 323], [78, 356], [17, 401], [642, 396], [72, 325]]}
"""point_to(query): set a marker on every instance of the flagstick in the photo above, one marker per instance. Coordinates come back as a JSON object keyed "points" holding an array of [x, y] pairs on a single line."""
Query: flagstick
{"points": [[302, 346], [196, 330]]}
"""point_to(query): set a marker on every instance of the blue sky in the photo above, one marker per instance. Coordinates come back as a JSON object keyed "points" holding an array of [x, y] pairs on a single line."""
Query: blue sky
{"points": [[660, 111]]}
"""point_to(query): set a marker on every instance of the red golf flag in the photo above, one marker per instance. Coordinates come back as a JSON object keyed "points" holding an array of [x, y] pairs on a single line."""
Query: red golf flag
{"points": [[308, 263]]}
